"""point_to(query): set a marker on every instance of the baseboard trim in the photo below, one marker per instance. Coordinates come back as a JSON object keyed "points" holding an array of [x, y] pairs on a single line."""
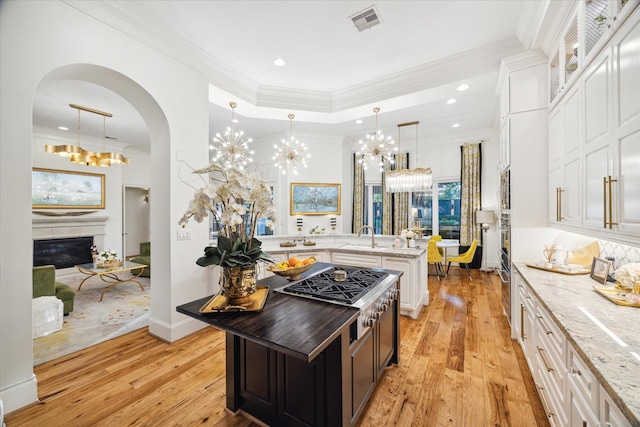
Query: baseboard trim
{"points": [[170, 333], [19, 395]]}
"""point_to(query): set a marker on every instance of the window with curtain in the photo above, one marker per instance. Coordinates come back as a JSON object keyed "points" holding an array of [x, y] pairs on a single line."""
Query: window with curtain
{"points": [[449, 210], [373, 207]]}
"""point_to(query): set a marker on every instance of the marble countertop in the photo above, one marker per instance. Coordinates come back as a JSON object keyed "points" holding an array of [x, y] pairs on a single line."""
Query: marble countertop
{"points": [[605, 335], [345, 243]]}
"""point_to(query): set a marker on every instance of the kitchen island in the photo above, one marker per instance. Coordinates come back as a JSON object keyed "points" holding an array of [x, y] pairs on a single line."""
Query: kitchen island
{"points": [[303, 362]]}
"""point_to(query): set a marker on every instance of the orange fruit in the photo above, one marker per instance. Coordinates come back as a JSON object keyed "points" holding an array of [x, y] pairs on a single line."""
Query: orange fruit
{"points": [[306, 261], [293, 261]]}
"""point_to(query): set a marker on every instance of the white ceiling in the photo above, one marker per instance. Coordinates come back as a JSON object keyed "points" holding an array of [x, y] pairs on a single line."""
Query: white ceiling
{"points": [[409, 65]]}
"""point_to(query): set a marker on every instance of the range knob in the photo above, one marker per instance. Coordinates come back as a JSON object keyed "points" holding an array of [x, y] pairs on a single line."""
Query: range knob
{"points": [[382, 307], [368, 321]]}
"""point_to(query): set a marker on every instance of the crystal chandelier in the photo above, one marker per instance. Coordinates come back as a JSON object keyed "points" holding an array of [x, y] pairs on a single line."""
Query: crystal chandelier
{"points": [[290, 152], [376, 148], [78, 155], [406, 180], [232, 150]]}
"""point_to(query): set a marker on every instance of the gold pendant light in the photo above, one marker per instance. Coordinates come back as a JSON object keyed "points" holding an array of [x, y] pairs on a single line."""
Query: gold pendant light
{"points": [[78, 155]]}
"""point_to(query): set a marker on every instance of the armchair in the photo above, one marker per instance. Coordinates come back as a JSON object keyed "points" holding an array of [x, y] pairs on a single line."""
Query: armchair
{"points": [[44, 284], [144, 258]]}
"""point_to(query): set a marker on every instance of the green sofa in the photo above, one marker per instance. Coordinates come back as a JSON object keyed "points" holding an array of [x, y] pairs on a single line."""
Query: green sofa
{"points": [[44, 284], [144, 258]]}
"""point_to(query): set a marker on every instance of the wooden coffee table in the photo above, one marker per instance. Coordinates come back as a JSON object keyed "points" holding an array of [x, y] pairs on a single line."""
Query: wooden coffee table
{"points": [[109, 275]]}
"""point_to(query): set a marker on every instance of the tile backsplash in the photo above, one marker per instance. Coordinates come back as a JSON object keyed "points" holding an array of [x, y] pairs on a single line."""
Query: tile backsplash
{"points": [[623, 254]]}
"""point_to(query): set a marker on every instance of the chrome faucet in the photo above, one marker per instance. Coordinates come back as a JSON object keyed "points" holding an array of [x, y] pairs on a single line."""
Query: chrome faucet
{"points": [[373, 241]]}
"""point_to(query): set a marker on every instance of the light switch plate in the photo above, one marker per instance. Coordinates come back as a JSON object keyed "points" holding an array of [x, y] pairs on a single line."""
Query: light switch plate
{"points": [[184, 234]]}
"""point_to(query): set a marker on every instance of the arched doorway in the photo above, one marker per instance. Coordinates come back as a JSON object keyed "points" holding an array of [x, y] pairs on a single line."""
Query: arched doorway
{"points": [[98, 87]]}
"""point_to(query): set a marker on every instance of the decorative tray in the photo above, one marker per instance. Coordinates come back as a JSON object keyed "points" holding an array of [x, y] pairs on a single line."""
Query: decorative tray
{"points": [[219, 304], [571, 269], [287, 244], [308, 243], [618, 295]]}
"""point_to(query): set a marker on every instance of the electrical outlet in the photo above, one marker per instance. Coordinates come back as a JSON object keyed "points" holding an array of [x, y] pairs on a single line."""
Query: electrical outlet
{"points": [[184, 234]]}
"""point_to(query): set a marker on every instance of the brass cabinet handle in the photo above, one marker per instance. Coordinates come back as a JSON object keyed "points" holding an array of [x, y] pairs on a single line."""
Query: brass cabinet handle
{"points": [[544, 326], [604, 201], [607, 185], [560, 191], [544, 359], [522, 311], [545, 405]]}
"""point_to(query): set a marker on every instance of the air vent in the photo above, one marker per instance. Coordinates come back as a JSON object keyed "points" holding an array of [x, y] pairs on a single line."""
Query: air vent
{"points": [[366, 19]]}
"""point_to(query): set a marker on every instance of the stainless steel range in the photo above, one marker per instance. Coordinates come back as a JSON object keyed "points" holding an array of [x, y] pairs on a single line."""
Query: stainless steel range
{"points": [[371, 291]]}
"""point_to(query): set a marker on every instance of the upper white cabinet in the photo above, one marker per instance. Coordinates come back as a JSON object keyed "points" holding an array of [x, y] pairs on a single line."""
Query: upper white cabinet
{"points": [[587, 31], [612, 135], [564, 160], [594, 133]]}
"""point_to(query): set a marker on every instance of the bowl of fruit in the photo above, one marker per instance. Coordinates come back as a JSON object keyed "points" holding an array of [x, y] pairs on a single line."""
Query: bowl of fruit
{"points": [[292, 268]]}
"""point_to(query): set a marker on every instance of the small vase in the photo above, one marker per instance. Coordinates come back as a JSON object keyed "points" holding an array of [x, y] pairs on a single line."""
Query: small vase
{"points": [[238, 283]]}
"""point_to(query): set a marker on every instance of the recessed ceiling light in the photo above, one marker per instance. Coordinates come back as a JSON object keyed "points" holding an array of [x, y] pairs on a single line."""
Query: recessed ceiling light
{"points": [[278, 62], [63, 128], [451, 101], [455, 125], [359, 121], [463, 87]]}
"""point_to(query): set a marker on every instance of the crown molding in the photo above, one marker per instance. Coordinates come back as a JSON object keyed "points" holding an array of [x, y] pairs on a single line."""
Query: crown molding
{"points": [[557, 19], [530, 23]]}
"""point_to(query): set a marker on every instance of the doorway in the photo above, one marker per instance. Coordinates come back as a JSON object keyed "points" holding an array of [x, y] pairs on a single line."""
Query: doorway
{"points": [[135, 219]]}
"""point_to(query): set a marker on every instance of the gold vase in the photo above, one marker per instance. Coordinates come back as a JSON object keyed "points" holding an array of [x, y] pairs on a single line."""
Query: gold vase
{"points": [[238, 283]]}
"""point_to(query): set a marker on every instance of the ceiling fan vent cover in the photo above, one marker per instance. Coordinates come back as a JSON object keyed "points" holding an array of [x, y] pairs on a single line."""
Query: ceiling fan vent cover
{"points": [[366, 19]]}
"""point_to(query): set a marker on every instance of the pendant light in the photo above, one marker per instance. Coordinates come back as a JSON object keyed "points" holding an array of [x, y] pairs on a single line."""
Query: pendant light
{"points": [[232, 150], [408, 180], [78, 155], [376, 148], [290, 152]]}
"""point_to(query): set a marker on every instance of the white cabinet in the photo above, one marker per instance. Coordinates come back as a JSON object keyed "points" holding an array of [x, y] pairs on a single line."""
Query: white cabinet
{"points": [[570, 392], [414, 292], [356, 259], [564, 160], [611, 154]]}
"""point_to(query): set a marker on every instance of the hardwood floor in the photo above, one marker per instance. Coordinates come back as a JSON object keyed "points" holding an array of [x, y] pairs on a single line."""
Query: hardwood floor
{"points": [[458, 368]]}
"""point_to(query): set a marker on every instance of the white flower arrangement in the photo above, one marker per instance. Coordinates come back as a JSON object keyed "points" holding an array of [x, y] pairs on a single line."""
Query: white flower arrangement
{"points": [[236, 199], [407, 234], [108, 255], [628, 275], [316, 230]]}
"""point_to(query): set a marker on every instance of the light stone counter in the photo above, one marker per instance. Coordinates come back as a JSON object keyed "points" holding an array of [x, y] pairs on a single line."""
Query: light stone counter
{"points": [[343, 243], [577, 309]]}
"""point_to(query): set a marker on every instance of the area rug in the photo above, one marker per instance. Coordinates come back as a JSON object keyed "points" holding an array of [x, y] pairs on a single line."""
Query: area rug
{"points": [[123, 309]]}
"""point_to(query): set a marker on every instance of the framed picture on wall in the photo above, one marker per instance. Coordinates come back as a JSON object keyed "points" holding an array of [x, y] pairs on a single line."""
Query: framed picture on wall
{"points": [[314, 199], [59, 189]]}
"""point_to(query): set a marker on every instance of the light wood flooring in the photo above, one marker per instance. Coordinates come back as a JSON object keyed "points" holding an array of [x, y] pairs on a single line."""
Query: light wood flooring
{"points": [[458, 368]]}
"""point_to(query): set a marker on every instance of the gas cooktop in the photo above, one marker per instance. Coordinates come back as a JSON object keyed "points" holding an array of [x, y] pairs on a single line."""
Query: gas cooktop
{"points": [[324, 287]]}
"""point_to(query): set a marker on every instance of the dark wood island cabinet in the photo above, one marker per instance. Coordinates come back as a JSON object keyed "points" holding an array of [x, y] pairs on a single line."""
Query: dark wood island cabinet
{"points": [[300, 362]]}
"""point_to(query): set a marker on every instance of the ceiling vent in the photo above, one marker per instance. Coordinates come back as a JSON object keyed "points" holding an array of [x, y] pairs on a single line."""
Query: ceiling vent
{"points": [[366, 19]]}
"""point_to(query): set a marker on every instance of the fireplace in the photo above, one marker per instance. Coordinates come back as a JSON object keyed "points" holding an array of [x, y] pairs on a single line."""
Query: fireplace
{"points": [[65, 241], [62, 253]]}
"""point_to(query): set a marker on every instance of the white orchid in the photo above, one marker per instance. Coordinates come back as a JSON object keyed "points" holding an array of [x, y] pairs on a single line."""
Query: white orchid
{"points": [[236, 199]]}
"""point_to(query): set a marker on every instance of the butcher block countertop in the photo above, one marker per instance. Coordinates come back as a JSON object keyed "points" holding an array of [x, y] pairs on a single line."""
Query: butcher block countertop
{"points": [[292, 325], [606, 335]]}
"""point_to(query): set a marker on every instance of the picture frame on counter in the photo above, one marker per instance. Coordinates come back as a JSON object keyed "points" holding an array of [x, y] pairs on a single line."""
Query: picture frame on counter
{"points": [[61, 189], [314, 199], [600, 270]]}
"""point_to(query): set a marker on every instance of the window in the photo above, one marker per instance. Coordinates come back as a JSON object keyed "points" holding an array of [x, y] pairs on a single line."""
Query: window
{"points": [[449, 210], [441, 216], [373, 207]]}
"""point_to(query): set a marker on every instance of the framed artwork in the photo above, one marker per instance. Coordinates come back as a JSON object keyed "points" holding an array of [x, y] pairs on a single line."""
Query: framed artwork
{"points": [[314, 199], [58, 189], [600, 270]]}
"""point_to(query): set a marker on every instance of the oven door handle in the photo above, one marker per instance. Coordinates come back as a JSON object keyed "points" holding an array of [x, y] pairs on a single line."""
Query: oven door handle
{"points": [[502, 279]]}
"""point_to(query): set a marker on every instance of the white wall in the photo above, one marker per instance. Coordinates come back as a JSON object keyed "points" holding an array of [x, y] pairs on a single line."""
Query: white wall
{"points": [[40, 39]]}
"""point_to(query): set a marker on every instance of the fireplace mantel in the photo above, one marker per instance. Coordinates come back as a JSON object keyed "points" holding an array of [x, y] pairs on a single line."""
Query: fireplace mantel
{"points": [[59, 227]]}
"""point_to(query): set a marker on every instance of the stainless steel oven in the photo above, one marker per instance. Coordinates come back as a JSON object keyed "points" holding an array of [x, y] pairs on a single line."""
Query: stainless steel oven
{"points": [[505, 262]]}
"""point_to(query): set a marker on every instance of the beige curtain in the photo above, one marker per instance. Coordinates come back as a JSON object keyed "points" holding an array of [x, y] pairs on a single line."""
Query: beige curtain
{"points": [[401, 200], [358, 195], [470, 193], [387, 204]]}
